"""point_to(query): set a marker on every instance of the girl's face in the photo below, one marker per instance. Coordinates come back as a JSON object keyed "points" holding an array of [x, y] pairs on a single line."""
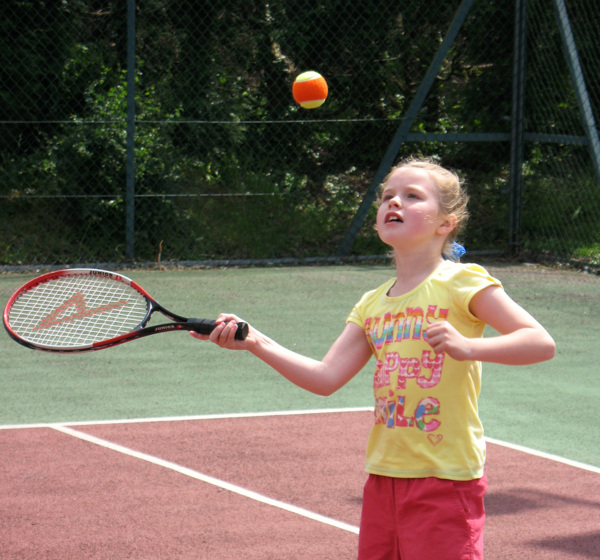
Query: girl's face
{"points": [[410, 208]]}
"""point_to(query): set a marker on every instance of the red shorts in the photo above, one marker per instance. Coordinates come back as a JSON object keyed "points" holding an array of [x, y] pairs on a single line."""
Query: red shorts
{"points": [[422, 519]]}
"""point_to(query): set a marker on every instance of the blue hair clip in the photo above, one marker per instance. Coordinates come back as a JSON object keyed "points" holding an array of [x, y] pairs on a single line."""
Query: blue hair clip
{"points": [[456, 252]]}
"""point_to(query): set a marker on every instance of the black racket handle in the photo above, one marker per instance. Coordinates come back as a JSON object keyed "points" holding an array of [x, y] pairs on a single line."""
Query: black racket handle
{"points": [[206, 326]]}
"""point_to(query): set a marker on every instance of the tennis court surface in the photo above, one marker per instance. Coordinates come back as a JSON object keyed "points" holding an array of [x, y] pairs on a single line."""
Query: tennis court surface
{"points": [[258, 486], [200, 468]]}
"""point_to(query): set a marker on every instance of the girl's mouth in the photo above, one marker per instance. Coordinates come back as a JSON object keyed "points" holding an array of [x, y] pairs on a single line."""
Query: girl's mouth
{"points": [[393, 218]]}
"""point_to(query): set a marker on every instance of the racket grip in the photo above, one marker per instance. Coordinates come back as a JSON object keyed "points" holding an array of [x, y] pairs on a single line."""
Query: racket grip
{"points": [[205, 326]]}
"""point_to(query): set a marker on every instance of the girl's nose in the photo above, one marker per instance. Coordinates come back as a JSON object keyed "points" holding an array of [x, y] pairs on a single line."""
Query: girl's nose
{"points": [[395, 201]]}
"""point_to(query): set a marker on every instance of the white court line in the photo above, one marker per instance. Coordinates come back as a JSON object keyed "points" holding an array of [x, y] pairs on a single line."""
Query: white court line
{"points": [[514, 446], [205, 478], [544, 455], [223, 416]]}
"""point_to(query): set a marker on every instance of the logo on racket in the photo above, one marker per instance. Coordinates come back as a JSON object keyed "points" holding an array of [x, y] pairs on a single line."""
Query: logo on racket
{"points": [[81, 311]]}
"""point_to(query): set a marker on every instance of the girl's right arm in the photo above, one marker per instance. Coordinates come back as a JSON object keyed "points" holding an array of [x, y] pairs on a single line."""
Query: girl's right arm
{"points": [[346, 357]]}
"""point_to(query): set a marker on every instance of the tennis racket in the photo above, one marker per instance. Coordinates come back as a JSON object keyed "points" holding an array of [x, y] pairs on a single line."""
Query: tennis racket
{"points": [[84, 309]]}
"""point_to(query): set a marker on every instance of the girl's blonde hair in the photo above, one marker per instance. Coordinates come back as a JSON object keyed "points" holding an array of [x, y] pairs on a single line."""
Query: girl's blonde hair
{"points": [[452, 195]]}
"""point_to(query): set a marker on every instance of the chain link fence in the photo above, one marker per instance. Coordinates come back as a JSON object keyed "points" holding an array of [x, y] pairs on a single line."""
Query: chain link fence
{"points": [[166, 130]]}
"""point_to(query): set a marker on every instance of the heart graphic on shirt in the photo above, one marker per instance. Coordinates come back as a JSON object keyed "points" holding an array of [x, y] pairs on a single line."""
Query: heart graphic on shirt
{"points": [[434, 439]]}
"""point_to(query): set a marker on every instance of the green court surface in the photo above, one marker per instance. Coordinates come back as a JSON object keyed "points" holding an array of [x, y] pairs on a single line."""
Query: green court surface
{"points": [[551, 407]]}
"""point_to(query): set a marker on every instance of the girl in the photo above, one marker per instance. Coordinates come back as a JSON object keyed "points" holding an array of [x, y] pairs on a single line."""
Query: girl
{"points": [[425, 455]]}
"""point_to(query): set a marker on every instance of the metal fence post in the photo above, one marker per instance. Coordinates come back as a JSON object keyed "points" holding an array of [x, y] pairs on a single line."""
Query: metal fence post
{"points": [[518, 125], [130, 179], [583, 99]]}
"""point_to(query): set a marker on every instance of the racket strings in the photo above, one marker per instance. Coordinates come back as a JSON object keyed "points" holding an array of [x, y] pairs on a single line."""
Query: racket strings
{"points": [[77, 311]]}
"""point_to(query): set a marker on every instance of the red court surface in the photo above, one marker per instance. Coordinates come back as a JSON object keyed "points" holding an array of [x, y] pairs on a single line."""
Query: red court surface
{"points": [[143, 491]]}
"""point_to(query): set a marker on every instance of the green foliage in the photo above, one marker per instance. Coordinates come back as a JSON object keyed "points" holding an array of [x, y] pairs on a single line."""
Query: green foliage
{"points": [[226, 165]]}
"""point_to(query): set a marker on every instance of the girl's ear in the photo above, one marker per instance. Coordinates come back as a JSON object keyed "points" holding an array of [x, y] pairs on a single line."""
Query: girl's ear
{"points": [[447, 225]]}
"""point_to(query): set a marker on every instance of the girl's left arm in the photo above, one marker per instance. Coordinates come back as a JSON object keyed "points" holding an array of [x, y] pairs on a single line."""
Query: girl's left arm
{"points": [[522, 339]]}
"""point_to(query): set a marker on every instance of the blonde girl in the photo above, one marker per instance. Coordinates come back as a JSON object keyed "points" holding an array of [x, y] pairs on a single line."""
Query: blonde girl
{"points": [[425, 454]]}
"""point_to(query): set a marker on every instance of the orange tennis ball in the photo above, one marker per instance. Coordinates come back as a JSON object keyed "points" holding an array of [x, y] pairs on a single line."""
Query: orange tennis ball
{"points": [[310, 90]]}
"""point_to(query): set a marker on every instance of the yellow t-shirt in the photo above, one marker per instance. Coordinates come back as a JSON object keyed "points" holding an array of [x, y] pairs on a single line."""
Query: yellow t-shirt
{"points": [[426, 415]]}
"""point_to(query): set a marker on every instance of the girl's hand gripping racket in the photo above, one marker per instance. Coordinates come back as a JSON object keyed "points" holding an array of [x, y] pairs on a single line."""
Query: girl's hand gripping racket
{"points": [[84, 309]]}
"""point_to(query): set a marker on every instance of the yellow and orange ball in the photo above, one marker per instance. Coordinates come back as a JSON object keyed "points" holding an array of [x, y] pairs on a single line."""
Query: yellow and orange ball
{"points": [[310, 90]]}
